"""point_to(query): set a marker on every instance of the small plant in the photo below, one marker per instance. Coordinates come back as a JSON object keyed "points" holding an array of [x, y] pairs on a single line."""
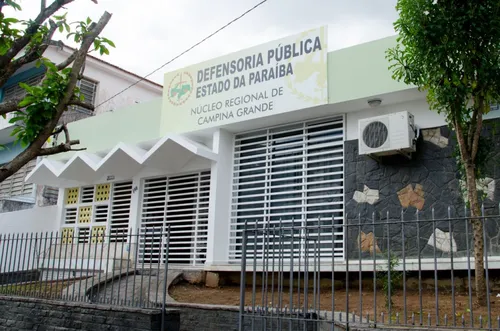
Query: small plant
{"points": [[389, 283]]}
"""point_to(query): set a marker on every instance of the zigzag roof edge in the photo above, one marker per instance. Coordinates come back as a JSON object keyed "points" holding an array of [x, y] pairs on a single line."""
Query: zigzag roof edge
{"points": [[136, 153]]}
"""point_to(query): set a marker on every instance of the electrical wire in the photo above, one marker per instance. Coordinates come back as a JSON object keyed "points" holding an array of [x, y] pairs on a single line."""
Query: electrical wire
{"points": [[186, 51]]}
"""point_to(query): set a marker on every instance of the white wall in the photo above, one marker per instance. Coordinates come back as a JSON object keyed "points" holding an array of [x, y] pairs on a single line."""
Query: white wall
{"points": [[220, 199], [39, 219], [111, 81]]}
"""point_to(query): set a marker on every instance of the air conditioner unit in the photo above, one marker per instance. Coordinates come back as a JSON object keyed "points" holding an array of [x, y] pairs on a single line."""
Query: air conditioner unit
{"points": [[388, 135]]}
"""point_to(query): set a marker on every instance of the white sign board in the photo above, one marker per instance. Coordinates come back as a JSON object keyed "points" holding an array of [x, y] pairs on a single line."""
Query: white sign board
{"points": [[273, 78]]}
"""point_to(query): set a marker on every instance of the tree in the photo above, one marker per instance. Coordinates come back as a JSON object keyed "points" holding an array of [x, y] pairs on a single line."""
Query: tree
{"points": [[451, 50], [37, 114]]}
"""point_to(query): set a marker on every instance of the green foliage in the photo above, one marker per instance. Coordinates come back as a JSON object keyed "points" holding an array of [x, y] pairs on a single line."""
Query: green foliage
{"points": [[395, 278], [449, 49], [9, 31], [39, 105], [100, 43]]}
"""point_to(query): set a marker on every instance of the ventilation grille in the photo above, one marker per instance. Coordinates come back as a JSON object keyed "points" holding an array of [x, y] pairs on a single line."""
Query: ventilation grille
{"points": [[181, 203], [289, 175], [120, 210], [375, 134]]}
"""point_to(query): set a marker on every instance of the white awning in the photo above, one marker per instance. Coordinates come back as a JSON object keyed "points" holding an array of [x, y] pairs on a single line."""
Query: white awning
{"points": [[170, 154]]}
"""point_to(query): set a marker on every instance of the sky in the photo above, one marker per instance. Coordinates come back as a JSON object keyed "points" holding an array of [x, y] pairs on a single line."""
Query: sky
{"points": [[149, 33]]}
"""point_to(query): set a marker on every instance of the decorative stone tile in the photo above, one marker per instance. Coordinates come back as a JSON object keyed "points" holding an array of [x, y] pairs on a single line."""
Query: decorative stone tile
{"points": [[368, 243], [444, 242], [434, 136], [486, 185], [409, 197], [367, 196]]}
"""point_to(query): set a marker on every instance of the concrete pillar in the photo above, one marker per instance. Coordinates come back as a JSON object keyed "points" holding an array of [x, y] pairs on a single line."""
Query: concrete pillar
{"points": [[220, 199]]}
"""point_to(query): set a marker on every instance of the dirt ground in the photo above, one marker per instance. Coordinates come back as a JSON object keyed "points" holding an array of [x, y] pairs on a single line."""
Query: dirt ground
{"points": [[230, 296]]}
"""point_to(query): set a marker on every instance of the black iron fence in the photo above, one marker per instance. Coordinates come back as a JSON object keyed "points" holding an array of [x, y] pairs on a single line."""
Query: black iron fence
{"points": [[395, 273], [129, 268]]}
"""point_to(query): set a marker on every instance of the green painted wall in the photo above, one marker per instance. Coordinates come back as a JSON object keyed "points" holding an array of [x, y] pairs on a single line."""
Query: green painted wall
{"points": [[357, 72], [361, 72], [133, 124]]}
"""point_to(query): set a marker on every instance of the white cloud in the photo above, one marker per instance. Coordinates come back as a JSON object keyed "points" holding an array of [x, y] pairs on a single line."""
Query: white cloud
{"points": [[148, 33]]}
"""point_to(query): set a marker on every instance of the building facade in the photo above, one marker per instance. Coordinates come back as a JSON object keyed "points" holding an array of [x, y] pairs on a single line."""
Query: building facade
{"points": [[101, 81], [267, 136]]}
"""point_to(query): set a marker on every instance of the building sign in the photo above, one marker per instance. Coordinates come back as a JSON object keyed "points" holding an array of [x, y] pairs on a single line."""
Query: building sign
{"points": [[273, 78]]}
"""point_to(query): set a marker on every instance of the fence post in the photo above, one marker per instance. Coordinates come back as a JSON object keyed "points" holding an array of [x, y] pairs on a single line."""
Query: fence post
{"points": [[165, 277], [243, 276]]}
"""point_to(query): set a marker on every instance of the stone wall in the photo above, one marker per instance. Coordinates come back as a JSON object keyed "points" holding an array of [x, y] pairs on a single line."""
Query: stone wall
{"points": [[210, 318], [395, 187], [38, 314]]}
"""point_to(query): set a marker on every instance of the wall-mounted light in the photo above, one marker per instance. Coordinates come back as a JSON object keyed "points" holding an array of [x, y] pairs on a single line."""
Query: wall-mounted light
{"points": [[374, 102]]}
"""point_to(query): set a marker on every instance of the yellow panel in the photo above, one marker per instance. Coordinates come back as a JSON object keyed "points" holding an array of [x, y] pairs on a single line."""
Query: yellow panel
{"points": [[98, 234], [67, 235], [102, 192], [71, 195], [85, 214]]}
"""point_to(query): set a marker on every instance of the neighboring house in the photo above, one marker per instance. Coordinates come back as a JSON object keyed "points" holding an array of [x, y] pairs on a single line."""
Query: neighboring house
{"points": [[101, 81], [265, 136]]}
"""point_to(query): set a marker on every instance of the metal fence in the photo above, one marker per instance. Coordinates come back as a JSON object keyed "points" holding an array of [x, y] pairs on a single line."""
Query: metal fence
{"points": [[128, 268], [398, 273]]}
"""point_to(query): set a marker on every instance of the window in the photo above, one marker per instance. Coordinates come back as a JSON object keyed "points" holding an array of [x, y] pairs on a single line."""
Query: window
{"points": [[289, 175], [88, 89], [15, 186], [90, 212], [15, 91], [181, 203]]}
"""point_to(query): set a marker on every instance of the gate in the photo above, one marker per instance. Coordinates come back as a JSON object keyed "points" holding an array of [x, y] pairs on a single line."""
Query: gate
{"points": [[284, 265], [396, 272]]}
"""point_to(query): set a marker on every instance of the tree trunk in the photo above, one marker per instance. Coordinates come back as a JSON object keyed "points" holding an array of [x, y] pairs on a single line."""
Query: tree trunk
{"points": [[477, 226]]}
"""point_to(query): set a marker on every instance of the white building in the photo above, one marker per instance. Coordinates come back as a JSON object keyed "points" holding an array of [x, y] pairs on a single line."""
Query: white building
{"points": [[101, 81], [281, 147]]}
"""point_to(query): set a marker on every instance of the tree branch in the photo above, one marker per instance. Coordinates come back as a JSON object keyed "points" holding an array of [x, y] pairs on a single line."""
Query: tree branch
{"points": [[59, 130], [68, 61], [9, 106], [82, 104], [36, 146], [477, 132], [461, 142], [63, 147], [35, 52], [23, 41], [60, 149]]}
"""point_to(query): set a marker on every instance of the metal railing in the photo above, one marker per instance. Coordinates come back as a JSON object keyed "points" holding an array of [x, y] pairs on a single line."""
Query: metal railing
{"points": [[127, 268], [398, 273]]}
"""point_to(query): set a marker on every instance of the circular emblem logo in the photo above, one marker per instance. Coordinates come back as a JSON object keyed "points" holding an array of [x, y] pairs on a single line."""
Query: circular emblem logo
{"points": [[180, 88]]}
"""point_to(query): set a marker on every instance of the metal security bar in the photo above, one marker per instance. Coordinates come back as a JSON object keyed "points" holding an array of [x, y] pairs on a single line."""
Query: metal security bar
{"points": [[100, 268], [416, 273], [289, 173], [181, 203]]}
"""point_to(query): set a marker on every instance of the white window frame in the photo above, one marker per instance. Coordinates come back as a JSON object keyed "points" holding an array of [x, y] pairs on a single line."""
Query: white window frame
{"points": [[94, 95], [199, 238], [113, 236], [28, 197], [268, 210]]}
